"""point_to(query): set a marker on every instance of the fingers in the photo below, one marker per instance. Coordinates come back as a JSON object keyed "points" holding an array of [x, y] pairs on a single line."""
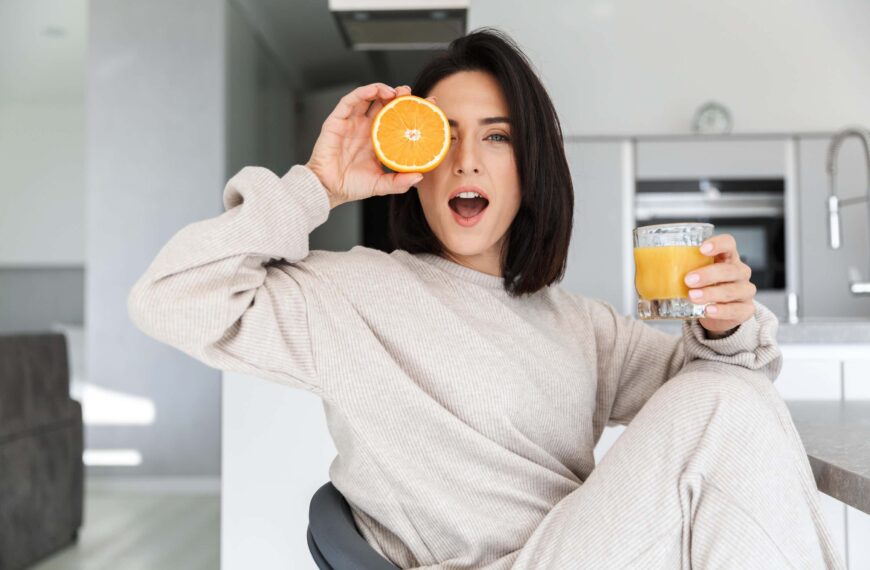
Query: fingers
{"points": [[737, 312], [724, 246], [723, 287], [378, 104], [396, 183], [719, 272], [357, 101], [725, 293]]}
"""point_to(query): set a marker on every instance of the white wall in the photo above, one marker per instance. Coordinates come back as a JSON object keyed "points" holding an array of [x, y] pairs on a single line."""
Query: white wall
{"points": [[43, 45], [155, 163], [42, 197], [633, 66], [277, 452]]}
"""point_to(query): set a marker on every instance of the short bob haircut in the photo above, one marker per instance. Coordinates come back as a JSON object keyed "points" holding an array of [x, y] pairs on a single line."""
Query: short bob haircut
{"points": [[537, 243]]}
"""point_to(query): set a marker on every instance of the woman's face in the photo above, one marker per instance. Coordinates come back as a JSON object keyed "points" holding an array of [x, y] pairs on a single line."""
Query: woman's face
{"points": [[480, 156]]}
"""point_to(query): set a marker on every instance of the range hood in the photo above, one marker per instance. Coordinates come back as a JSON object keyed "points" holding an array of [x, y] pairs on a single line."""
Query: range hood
{"points": [[399, 24]]}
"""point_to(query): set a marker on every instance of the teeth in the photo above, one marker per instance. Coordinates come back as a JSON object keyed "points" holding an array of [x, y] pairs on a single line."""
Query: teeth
{"points": [[468, 195]]}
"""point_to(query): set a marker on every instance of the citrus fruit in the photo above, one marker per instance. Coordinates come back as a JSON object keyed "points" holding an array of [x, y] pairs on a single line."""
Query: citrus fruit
{"points": [[410, 134]]}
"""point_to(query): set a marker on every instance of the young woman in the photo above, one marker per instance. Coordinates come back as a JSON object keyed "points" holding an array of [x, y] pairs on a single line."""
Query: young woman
{"points": [[464, 389]]}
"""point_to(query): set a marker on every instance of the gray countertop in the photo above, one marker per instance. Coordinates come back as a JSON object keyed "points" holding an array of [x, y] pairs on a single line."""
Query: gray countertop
{"points": [[836, 436], [816, 330]]}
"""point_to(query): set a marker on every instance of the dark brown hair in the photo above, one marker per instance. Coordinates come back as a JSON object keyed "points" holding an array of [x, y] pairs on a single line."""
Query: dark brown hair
{"points": [[536, 248]]}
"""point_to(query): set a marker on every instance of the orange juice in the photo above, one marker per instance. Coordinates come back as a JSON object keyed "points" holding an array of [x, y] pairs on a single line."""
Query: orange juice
{"points": [[660, 271]]}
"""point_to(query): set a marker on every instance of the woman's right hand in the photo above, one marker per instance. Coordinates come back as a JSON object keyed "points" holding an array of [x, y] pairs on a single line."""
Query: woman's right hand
{"points": [[343, 157]]}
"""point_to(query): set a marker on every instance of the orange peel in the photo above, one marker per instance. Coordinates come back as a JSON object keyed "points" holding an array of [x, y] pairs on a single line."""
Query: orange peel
{"points": [[410, 134]]}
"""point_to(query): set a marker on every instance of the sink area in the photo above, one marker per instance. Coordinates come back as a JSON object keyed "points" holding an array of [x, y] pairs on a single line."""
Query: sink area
{"points": [[834, 320], [840, 330]]}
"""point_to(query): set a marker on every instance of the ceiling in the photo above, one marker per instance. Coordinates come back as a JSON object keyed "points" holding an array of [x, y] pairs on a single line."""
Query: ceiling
{"points": [[44, 48], [305, 37]]}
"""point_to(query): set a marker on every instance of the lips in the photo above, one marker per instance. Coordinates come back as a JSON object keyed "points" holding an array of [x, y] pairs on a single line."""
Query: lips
{"points": [[468, 189]]}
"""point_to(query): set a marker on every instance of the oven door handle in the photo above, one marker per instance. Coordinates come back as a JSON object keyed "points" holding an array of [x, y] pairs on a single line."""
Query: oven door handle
{"points": [[704, 211]]}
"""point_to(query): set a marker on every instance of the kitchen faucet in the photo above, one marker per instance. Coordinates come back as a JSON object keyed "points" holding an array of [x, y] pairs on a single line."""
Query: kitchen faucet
{"points": [[857, 287]]}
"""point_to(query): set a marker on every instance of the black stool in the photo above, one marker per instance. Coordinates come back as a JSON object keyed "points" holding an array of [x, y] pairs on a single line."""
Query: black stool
{"points": [[333, 538]]}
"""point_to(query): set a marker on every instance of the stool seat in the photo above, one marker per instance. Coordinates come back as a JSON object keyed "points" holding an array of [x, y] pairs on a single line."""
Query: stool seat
{"points": [[333, 538]]}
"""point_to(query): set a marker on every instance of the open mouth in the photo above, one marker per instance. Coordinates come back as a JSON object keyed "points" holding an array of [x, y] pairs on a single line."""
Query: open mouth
{"points": [[468, 207]]}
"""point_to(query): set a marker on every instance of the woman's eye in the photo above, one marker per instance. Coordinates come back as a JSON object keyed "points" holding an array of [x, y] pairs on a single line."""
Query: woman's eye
{"points": [[503, 138]]}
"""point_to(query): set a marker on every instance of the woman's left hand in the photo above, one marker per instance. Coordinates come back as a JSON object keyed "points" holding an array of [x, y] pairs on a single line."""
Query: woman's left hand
{"points": [[725, 283]]}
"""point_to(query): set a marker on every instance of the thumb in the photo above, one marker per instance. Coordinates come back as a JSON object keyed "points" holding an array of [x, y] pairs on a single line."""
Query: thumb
{"points": [[398, 183]]}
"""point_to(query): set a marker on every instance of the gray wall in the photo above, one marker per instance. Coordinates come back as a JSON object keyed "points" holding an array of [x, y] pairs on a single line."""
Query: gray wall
{"points": [[155, 163], [261, 101], [34, 298], [595, 257], [343, 228]]}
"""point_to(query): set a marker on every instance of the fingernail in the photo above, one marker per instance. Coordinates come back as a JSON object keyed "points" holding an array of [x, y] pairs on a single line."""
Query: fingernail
{"points": [[707, 248], [416, 179], [695, 293], [692, 278], [712, 309]]}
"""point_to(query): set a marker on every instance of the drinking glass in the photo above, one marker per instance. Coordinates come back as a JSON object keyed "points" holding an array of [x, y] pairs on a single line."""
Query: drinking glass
{"points": [[663, 255]]}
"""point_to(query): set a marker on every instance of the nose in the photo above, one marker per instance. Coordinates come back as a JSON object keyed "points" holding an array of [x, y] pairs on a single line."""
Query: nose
{"points": [[465, 160]]}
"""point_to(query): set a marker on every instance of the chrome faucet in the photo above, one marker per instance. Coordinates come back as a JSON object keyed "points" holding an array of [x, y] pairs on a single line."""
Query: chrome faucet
{"points": [[856, 286]]}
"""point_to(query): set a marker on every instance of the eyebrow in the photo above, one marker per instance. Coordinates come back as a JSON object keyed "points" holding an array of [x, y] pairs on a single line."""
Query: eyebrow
{"points": [[486, 121]]}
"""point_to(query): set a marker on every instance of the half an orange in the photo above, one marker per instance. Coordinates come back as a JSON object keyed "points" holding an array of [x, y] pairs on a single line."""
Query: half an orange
{"points": [[410, 134]]}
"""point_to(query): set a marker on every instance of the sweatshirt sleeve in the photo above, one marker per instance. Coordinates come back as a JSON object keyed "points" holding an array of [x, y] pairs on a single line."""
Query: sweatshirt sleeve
{"points": [[635, 359], [226, 290]]}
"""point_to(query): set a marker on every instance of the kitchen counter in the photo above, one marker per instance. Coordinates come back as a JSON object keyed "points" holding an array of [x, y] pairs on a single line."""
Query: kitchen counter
{"points": [[835, 433], [840, 331], [836, 436]]}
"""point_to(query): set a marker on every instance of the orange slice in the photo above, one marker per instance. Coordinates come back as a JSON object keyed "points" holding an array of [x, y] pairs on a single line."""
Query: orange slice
{"points": [[410, 134]]}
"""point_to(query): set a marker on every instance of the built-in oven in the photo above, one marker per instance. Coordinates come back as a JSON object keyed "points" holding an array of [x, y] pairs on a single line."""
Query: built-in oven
{"points": [[752, 210]]}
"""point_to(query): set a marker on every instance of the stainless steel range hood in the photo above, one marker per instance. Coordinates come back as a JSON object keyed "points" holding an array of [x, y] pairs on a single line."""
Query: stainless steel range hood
{"points": [[399, 24]]}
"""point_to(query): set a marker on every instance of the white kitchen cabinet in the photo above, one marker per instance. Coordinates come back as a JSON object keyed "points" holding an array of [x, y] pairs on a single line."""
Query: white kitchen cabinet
{"points": [[834, 512], [856, 380], [708, 157], [858, 524], [276, 452], [809, 378]]}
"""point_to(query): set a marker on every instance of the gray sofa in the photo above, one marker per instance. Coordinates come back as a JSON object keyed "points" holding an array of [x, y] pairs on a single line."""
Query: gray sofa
{"points": [[41, 444]]}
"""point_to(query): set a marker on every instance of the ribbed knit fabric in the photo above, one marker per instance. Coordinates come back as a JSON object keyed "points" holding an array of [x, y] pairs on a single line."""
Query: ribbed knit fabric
{"points": [[461, 416], [711, 473]]}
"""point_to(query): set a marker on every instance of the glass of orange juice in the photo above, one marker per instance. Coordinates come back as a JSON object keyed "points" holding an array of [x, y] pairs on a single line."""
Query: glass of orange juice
{"points": [[663, 255]]}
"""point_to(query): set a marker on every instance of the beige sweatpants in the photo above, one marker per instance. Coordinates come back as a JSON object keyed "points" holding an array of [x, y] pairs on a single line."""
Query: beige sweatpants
{"points": [[711, 473]]}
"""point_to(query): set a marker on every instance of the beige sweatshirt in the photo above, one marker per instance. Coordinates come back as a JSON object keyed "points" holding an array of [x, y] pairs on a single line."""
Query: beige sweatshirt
{"points": [[461, 416]]}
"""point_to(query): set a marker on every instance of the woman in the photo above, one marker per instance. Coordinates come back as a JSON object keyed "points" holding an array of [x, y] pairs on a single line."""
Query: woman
{"points": [[465, 391]]}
